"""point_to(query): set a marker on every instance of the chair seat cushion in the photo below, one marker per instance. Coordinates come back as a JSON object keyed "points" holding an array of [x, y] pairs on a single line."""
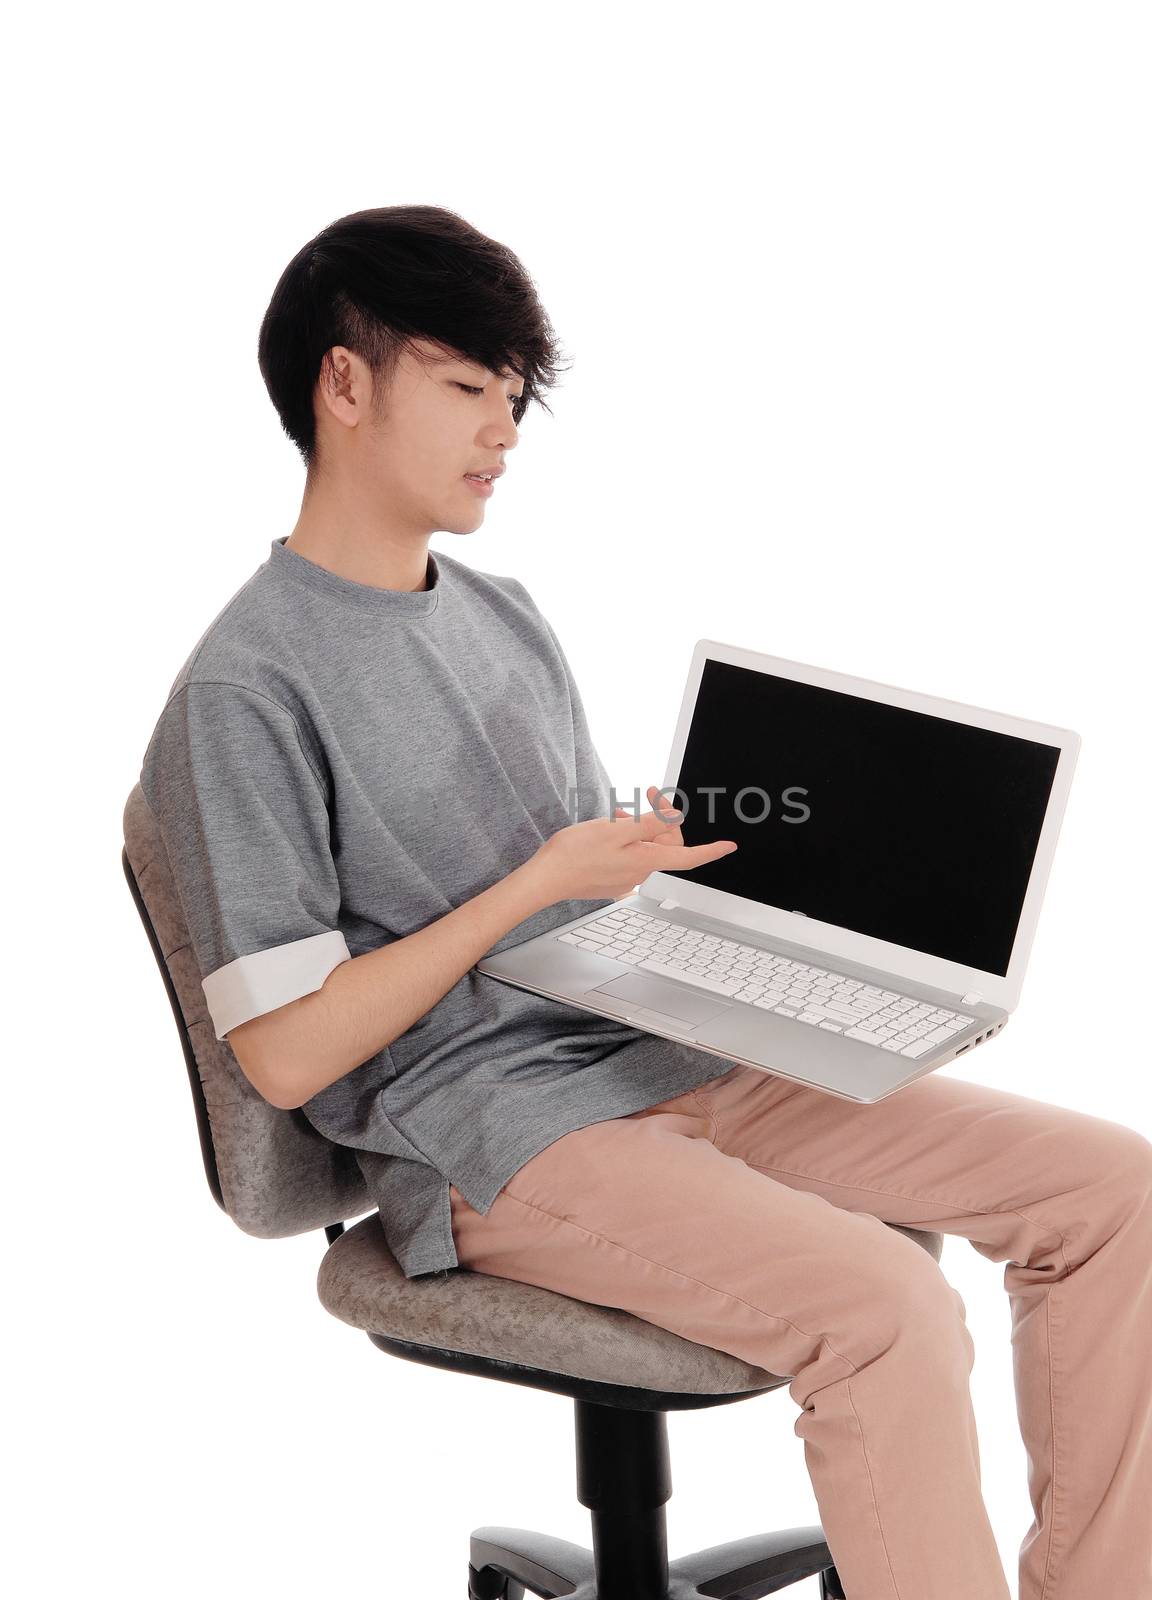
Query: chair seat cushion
{"points": [[361, 1283]]}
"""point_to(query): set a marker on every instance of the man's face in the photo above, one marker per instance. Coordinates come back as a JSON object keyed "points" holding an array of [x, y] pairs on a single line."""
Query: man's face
{"points": [[441, 419]]}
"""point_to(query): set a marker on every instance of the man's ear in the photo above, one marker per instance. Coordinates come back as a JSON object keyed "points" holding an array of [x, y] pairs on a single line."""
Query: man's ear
{"points": [[344, 385]]}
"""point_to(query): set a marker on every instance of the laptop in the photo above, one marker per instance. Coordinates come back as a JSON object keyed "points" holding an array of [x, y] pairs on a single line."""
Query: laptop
{"points": [[876, 919]]}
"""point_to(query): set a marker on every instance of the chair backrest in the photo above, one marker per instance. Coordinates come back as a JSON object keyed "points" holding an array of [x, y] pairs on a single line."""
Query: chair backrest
{"points": [[270, 1170]]}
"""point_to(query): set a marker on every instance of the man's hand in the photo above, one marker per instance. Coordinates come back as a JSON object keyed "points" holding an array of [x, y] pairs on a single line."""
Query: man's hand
{"points": [[609, 856]]}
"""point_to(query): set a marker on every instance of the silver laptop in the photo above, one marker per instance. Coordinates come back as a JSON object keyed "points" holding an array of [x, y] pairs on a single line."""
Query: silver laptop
{"points": [[876, 919]]}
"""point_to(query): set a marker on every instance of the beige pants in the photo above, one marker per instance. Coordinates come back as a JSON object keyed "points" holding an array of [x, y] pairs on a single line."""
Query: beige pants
{"points": [[743, 1215]]}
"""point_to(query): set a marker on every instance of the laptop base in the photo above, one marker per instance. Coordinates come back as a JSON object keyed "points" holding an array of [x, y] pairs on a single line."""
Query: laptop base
{"points": [[749, 1035]]}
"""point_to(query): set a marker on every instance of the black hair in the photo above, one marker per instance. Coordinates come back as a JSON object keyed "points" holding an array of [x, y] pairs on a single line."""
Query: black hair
{"points": [[376, 281]]}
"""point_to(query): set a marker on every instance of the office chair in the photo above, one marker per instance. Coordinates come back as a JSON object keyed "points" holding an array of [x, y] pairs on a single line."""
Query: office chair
{"points": [[276, 1176]]}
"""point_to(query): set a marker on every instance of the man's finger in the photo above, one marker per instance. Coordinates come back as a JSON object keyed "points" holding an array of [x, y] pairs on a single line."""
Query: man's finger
{"points": [[651, 825], [658, 800], [694, 855]]}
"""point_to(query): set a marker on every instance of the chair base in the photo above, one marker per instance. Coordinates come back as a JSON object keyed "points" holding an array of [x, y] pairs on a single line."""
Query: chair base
{"points": [[624, 1478], [506, 1561]]}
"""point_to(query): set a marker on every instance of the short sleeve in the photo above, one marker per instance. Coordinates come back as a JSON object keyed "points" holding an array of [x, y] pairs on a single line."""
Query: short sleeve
{"points": [[244, 820]]}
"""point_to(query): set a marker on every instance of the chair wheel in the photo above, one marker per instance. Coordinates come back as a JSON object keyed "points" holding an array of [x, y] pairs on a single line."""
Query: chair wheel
{"points": [[488, 1584]]}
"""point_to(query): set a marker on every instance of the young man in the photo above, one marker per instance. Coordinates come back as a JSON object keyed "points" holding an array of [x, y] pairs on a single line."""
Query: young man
{"points": [[365, 775], [366, 771]]}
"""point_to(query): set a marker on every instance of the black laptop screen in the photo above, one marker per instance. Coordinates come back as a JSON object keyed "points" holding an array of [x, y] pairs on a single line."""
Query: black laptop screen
{"points": [[897, 824]]}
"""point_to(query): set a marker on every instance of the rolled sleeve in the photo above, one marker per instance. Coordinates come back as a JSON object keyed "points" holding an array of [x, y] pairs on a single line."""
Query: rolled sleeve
{"points": [[244, 819], [251, 985]]}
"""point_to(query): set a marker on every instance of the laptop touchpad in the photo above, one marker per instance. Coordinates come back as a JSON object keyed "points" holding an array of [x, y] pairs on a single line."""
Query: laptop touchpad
{"points": [[657, 995]]}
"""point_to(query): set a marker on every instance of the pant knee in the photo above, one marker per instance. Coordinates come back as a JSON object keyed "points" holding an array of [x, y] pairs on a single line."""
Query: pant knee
{"points": [[1117, 1164], [909, 1309]]}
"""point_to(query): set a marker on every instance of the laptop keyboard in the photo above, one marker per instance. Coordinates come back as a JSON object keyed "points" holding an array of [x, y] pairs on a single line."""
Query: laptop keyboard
{"points": [[809, 994]]}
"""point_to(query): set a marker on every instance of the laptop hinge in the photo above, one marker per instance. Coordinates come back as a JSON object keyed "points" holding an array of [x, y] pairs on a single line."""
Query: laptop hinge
{"points": [[972, 998], [667, 905]]}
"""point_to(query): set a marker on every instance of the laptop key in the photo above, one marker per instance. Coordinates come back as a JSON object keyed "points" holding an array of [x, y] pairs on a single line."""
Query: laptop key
{"points": [[697, 979]]}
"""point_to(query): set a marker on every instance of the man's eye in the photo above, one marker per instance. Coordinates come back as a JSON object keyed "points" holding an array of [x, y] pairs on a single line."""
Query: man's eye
{"points": [[469, 389]]}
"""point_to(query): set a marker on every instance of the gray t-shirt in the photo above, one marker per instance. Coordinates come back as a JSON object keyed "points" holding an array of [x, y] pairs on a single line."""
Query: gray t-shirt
{"points": [[337, 766]]}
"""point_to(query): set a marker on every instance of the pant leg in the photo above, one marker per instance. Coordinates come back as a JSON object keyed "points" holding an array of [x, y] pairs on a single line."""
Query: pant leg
{"points": [[648, 1214], [1066, 1200]]}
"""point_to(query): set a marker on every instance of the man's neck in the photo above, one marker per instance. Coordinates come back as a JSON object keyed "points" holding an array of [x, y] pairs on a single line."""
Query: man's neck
{"points": [[363, 557]]}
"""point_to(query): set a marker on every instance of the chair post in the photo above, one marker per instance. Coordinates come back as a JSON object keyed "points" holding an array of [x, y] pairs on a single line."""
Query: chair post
{"points": [[624, 1477]]}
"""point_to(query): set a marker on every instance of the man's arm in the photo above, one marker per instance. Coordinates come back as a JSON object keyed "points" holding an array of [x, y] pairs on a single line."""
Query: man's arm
{"points": [[243, 813], [293, 1052], [290, 1054]]}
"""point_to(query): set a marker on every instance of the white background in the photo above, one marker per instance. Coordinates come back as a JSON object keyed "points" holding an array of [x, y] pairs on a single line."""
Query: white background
{"points": [[857, 300]]}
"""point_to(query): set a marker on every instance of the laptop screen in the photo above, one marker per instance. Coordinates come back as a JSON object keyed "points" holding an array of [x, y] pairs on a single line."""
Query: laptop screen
{"points": [[897, 824]]}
